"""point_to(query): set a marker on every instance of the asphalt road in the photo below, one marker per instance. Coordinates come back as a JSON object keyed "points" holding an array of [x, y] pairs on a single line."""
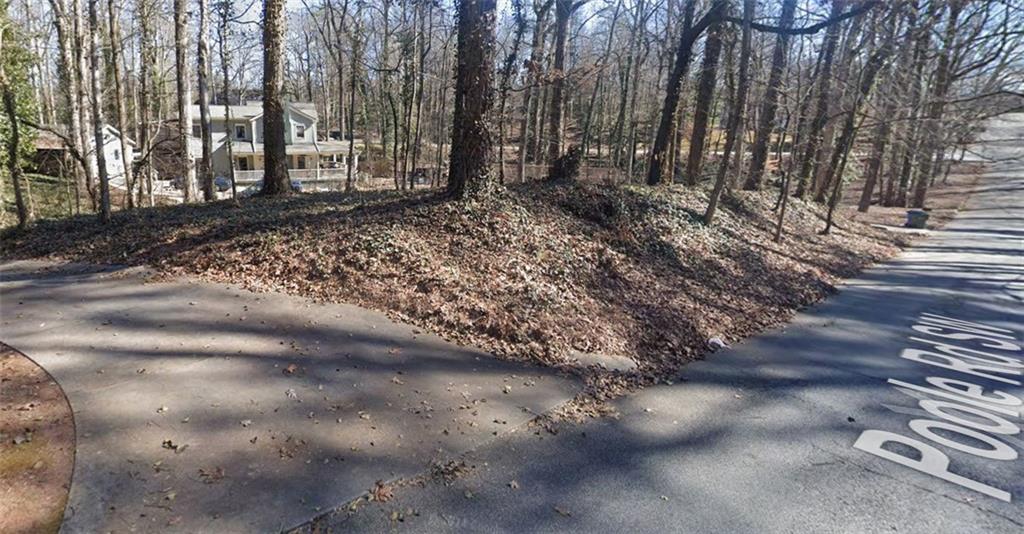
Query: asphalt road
{"points": [[801, 429]]}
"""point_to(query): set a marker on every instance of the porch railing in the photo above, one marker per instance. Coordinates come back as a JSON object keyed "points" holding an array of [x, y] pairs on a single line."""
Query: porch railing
{"points": [[303, 175]]}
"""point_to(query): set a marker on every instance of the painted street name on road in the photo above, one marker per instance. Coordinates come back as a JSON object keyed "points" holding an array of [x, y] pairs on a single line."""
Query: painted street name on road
{"points": [[983, 423]]}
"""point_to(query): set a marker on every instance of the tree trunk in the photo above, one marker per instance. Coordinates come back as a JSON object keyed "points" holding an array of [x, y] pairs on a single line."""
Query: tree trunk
{"points": [[120, 103], [736, 117], [147, 62], [598, 84], [85, 118], [837, 165], [556, 112], [14, 146], [662, 140], [275, 172], [203, 66], [95, 62], [705, 95], [824, 81], [931, 146], [770, 103], [469, 172], [533, 71], [356, 57], [675, 149], [225, 12], [69, 78], [184, 93]]}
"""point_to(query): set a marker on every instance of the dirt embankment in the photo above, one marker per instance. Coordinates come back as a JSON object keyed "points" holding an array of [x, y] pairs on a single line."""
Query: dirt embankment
{"points": [[37, 446]]}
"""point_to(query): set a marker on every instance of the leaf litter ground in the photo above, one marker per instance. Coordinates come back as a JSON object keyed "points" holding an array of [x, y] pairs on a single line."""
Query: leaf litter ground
{"points": [[536, 274]]}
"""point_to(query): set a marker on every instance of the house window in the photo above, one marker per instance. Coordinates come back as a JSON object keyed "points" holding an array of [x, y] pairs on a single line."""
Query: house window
{"points": [[195, 130], [239, 131], [301, 160], [243, 164], [300, 131], [117, 154]]}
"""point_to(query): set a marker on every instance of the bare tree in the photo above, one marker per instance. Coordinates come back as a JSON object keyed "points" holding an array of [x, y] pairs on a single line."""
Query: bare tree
{"points": [[120, 102], [736, 117], [205, 128], [703, 106], [99, 126], [930, 147], [659, 153], [184, 94], [564, 9], [770, 103]]}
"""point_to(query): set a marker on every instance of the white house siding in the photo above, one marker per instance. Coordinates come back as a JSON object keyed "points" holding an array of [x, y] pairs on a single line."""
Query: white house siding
{"points": [[112, 153]]}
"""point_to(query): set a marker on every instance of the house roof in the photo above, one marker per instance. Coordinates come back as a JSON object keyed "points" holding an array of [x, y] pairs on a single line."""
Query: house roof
{"points": [[46, 140], [116, 133], [253, 110], [237, 112]]}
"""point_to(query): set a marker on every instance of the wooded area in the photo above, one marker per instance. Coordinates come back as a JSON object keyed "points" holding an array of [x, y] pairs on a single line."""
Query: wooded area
{"points": [[799, 96]]}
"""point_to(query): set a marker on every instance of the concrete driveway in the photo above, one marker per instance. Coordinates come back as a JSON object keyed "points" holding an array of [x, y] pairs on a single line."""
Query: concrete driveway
{"points": [[205, 408]]}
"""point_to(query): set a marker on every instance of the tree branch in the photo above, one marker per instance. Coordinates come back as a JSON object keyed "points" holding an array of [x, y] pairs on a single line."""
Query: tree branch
{"points": [[808, 30]]}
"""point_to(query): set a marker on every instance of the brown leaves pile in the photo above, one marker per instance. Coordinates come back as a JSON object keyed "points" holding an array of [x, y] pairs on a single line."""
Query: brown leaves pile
{"points": [[529, 275]]}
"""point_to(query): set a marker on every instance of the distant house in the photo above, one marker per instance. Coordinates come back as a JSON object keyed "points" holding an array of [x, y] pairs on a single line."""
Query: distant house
{"points": [[309, 159], [51, 153], [112, 153]]}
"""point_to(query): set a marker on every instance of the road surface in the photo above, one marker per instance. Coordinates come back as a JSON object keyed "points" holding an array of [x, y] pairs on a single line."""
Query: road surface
{"points": [[893, 407]]}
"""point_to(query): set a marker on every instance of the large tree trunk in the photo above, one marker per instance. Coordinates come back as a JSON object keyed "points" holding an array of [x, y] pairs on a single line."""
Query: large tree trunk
{"points": [[703, 105], [203, 66], [184, 94], [469, 172], [675, 149], [96, 63], [931, 147], [556, 112], [770, 103], [120, 103], [656, 172], [275, 171], [733, 132]]}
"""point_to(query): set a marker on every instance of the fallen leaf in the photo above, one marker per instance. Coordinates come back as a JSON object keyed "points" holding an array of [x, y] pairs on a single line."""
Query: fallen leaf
{"points": [[212, 476]]}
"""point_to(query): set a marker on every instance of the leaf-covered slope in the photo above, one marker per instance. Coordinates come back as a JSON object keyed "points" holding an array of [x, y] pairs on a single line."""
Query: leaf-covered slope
{"points": [[539, 271]]}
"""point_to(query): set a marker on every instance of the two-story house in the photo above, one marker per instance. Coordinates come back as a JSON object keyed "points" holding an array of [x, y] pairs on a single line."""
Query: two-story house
{"points": [[309, 159]]}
